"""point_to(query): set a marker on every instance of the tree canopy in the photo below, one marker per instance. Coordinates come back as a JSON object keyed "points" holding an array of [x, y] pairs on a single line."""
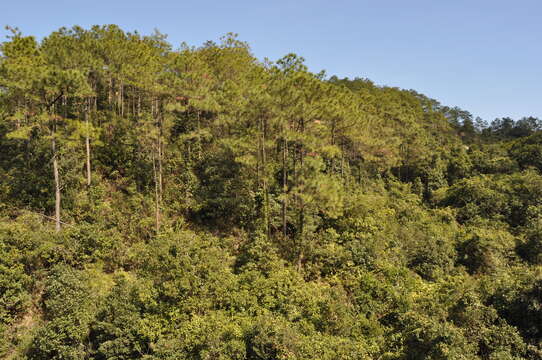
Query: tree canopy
{"points": [[197, 203]]}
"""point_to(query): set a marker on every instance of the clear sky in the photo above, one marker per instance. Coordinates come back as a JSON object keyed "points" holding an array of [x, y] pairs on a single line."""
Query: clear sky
{"points": [[484, 56]]}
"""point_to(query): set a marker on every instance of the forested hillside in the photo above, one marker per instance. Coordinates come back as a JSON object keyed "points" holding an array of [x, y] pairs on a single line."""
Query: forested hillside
{"points": [[196, 203]]}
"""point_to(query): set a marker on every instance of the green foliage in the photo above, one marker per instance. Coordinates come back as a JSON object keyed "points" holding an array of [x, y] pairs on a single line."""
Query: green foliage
{"points": [[15, 284], [528, 151], [212, 336], [517, 300], [119, 331], [66, 305], [487, 250], [505, 198], [211, 206]]}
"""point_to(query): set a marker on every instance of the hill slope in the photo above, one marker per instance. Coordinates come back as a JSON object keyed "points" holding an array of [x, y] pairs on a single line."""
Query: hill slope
{"points": [[199, 204]]}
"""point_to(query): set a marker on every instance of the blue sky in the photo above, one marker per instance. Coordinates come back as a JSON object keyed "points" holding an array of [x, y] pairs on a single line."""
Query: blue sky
{"points": [[482, 55]]}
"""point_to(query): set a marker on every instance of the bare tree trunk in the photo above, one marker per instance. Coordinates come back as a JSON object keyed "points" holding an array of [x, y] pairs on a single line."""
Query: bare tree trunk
{"points": [[199, 138], [131, 101], [110, 93], [95, 100], [157, 168], [87, 142], [138, 104], [57, 180], [259, 178], [264, 178], [160, 150], [342, 165], [156, 197], [284, 184], [18, 120], [301, 183], [121, 99], [332, 160], [25, 112]]}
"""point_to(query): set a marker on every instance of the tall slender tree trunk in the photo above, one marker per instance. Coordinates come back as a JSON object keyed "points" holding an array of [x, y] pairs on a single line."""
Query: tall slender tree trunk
{"points": [[25, 112], [259, 178], [301, 183], [18, 120], [121, 99], [138, 104], [342, 164], [264, 177], [110, 93], [284, 185], [160, 150], [87, 142], [156, 196], [157, 165], [95, 101], [132, 105], [332, 160], [57, 179], [198, 114]]}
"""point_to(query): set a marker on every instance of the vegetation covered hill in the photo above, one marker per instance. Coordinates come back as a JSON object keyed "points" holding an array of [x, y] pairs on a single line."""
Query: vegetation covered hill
{"points": [[195, 203]]}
